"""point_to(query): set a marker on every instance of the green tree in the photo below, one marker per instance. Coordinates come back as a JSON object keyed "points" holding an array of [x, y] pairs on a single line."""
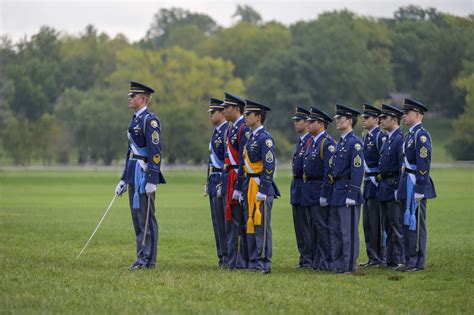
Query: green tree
{"points": [[101, 126], [461, 145], [429, 50], [87, 60], [450, 46], [287, 83], [247, 14], [7, 87], [18, 141], [246, 45], [65, 113], [35, 74], [47, 135], [166, 21], [349, 58]]}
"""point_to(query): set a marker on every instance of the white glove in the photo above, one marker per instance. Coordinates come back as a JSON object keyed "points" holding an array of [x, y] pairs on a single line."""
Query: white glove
{"points": [[219, 190], [261, 197], [396, 195], [418, 196], [350, 202], [237, 195], [120, 188], [323, 201], [206, 191], [150, 188]]}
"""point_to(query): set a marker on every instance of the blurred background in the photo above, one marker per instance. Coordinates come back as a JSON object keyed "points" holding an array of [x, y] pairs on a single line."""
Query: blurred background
{"points": [[65, 67]]}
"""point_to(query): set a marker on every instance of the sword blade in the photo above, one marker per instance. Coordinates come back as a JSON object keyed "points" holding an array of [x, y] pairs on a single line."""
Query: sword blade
{"points": [[97, 227], [146, 221]]}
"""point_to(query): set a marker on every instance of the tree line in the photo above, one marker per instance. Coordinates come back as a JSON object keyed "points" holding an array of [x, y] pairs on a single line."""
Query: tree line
{"points": [[63, 97]]}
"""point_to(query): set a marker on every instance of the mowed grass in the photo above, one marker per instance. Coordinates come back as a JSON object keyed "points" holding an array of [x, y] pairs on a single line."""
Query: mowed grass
{"points": [[46, 217]]}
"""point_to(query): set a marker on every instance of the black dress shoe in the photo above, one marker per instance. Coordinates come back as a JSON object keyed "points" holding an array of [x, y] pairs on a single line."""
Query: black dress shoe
{"points": [[265, 271], [137, 267], [391, 265], [134, 265], [364, 264], [150, 266], [400, 267], [411, 269]]}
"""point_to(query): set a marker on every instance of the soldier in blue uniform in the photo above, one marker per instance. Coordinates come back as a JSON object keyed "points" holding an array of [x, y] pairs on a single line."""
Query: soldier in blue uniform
{"points": [[260, 190], [300, 217], [345, 178], [390, 164], [315, 176], [235, 141], [416, 185], [372, 220], [214, 180], [142, 173]]}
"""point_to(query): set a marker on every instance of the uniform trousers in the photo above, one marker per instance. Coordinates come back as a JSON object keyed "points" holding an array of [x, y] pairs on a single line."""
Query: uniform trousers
{"points": [[373, 231], [237, 250], [321, 218], [415, 241], [260, 242], [146, 255], [345, 239], [393, 220], [218, 224], [304, 238]]}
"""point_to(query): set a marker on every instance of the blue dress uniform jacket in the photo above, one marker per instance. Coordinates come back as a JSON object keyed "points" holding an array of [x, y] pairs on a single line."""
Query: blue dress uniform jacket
{"points": [[145, 132], [417, 150], [216, 158], [390, 164], [372, 145], [346, 171], [315, 169], [238, 138], [297, 166], [261, 147]]}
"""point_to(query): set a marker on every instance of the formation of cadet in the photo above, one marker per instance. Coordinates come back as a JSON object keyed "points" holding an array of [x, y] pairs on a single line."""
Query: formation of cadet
{"points": [[240, 183], [142, 173], [326, 192], [214, 177]]}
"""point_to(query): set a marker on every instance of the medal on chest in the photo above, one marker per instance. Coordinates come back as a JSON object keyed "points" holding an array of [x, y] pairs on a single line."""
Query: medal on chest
{"points": [[136, 130]]}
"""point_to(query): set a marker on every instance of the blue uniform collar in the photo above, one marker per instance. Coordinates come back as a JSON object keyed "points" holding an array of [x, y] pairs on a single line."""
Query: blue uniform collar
{"points": [[393, 132], [257, 130], [238, 119], [373, 130], [220, 126], [136, 114], [412, 128], [319, 135], [303, 137], [344, 136]]}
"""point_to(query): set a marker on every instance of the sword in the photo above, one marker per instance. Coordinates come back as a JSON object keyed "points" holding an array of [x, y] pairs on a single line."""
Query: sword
{"points": [[418, 228], [264, 227], [97, 227], [146, 222]]}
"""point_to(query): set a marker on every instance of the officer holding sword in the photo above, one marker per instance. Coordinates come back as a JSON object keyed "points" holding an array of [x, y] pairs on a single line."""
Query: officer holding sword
{"points": [[142, 172]]}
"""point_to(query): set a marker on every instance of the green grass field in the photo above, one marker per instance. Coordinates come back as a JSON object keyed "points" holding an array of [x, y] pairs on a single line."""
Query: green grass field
{"points": [[46, 217]]}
